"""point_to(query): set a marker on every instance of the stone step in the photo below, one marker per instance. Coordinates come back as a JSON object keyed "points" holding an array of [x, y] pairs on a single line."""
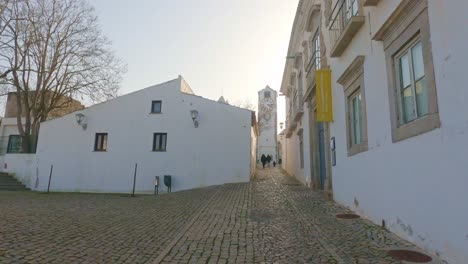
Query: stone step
{"points": [[9, 183], [5, 179], [14, 189]]}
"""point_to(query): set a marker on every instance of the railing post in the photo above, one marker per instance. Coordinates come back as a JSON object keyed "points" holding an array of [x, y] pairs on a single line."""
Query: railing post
{"points": [[50, 177]]}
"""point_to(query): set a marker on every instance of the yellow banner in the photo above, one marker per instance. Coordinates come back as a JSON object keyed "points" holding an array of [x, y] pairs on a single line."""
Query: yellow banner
{"points": [[324, 95]]}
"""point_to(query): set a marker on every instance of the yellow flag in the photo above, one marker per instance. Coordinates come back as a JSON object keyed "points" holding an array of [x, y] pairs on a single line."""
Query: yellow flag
{"points": [[324, 95]]}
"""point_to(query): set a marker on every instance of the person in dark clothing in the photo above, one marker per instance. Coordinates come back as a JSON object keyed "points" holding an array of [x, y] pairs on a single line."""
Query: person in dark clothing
{"points": [[263, 159], [268, 160], [274, 163]]}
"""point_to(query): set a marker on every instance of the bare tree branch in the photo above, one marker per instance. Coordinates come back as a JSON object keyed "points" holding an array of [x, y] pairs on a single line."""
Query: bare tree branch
{"points": [[52, 51]]}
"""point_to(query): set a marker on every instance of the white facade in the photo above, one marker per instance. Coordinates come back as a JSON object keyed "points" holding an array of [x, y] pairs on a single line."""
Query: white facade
{"points": [[416, 183], [267, 123], [218, 151]]}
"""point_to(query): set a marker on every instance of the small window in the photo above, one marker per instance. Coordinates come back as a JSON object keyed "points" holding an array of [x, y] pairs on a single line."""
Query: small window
{"points": [[156, 107], [100, 144], [159, 141], [267, 94]]}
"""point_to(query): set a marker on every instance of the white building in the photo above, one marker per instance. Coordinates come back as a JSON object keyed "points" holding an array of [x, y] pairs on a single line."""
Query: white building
{"points": [[155, 128], [267, 118], [10, 139], [399, 107]]}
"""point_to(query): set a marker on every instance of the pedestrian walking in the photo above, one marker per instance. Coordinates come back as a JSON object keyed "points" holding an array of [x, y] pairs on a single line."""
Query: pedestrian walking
{"points": [[268, 160], [263, 159], [274, 163]]}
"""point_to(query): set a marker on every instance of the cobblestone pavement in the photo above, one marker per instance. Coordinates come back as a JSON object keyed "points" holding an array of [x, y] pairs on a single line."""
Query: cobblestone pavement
{"points": [[271, 220]]}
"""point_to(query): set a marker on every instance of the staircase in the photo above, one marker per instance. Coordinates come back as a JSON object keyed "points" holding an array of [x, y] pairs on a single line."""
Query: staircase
{"points": [[8, 183]]}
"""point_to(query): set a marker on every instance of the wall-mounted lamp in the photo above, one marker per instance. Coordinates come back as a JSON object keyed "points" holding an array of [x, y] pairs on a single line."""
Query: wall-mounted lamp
{"points": [[81, 120], [281, 125], [194, 114]]}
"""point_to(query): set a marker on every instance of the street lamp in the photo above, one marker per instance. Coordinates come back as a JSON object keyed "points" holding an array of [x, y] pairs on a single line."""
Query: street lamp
{"points": [[81, 120], [194, 114]]}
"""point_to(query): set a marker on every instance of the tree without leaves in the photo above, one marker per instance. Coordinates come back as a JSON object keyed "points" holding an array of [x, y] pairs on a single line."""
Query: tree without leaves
{"points": [[5, 6], [247, 104], [55, 52]]}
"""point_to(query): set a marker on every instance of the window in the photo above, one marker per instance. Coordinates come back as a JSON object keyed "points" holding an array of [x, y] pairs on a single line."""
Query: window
{"points": [[315, 51], [356, 121], [14, 144], [267, 95], [351, 8], [412, 99], [156, 107], [411, 82], [355, 116], [159, 141], [100, 143]]}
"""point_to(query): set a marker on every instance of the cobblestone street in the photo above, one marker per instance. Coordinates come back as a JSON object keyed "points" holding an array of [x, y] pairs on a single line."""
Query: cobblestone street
{"points": [[273, 219]]}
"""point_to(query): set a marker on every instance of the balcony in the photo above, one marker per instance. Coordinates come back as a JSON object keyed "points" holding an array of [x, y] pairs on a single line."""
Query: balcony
{"points": [[345, 21], [371, 2], [290, 127], [297, 106], [313, 65]]}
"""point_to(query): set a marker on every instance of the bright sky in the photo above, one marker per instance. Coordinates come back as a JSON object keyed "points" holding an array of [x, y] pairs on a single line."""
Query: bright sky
{"points": [[221, 47]]}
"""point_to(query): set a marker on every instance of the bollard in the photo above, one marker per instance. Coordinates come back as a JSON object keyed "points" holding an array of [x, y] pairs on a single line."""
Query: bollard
{"points": [[156, 185]]}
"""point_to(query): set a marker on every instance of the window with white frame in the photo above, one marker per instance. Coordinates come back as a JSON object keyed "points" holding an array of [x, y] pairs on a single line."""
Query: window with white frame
{"points": [[412, 96], [410, 69], [355, 101], [356, 124]]}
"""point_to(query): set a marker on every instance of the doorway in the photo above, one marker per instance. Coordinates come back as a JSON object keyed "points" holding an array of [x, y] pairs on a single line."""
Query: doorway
{"points": [[318, 150]]}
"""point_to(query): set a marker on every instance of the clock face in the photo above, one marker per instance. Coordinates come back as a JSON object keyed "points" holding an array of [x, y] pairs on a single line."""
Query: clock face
{"points": [[268, 103]]}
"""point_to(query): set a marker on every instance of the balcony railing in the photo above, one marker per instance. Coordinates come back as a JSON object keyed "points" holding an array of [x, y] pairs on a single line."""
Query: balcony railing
{"points": [[345, 22], [298, 104]]}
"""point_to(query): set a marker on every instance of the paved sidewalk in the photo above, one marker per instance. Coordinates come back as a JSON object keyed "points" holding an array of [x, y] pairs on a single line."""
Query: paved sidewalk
{"points": [[273, 219]]}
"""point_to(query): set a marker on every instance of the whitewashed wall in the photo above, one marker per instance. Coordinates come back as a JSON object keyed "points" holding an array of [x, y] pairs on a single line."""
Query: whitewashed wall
{"points": [[23, 167], [418, 185], [216, 152]]}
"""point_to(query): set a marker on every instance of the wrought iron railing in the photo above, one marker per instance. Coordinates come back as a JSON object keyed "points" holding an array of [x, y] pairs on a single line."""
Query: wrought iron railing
{"points": [[315, 61], [342, 13]]}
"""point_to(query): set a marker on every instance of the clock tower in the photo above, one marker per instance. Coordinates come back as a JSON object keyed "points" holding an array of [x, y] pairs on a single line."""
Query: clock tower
{"points": [[267, 118]]}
